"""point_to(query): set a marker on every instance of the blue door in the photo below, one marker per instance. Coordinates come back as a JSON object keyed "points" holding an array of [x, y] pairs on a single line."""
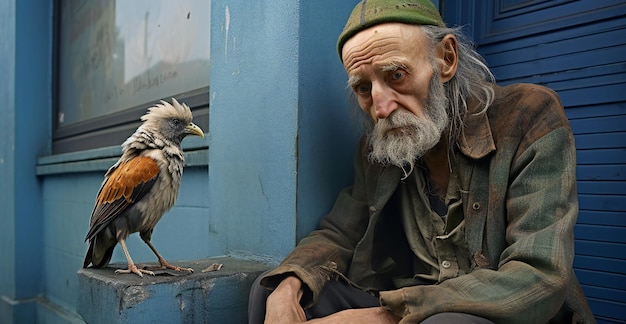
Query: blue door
{"points": [[577, 48]]}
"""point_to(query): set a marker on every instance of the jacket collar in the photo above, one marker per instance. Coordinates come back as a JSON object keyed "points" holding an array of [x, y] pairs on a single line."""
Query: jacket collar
{"points": [[476, 139]]}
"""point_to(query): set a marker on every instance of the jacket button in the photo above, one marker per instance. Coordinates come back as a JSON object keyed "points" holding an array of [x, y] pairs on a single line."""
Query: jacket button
{"points": [[373, 208], [445, 264], [476, 206]]}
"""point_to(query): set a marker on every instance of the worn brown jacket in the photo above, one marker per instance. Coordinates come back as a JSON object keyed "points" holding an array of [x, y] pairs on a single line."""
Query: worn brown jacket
{"points": [[518, 182]]}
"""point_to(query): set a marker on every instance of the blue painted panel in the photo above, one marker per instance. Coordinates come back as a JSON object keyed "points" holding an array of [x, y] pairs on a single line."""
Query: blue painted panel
{"points": [[615, 172], [599, 248], [606, 320], [512, 8], [613, 312], [601, 141], [601, 264], [572, 32], [546, 65], [601, 156], [540, 19], [573, 79], [527, 52], [599, 125], [602, 187], [608, 293], [592, 95], [601, 279], [611, 234], [610, 109], [610, 202], [602, 218]]}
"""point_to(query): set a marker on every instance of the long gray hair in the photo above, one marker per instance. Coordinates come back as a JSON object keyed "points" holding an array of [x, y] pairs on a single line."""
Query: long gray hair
{"points": [[473, 79]]}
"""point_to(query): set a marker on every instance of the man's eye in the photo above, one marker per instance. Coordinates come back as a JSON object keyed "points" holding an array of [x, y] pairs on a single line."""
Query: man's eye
{"points": [[397, 75], [361, 89]]}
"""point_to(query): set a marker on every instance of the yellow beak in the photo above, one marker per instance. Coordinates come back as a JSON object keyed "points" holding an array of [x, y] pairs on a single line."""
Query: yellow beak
{"points": [[193, 129]]}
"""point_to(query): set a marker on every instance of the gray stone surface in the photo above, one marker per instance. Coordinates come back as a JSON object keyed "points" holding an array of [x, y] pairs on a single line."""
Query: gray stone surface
{"points": [[169, 297]]}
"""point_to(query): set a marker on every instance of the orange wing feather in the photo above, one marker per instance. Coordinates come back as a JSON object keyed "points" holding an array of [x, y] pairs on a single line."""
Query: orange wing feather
{"points": [[122, 187]]}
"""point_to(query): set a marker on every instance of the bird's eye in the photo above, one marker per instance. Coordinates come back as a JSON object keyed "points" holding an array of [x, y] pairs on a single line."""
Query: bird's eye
{"points": [[176, 121]]}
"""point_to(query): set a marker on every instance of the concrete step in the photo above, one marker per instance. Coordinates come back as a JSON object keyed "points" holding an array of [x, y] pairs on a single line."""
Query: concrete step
{"points": [[169, 297]]}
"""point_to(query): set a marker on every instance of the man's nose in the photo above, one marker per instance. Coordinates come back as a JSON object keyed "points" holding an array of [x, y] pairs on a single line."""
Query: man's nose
{"points": [[383, 100]]}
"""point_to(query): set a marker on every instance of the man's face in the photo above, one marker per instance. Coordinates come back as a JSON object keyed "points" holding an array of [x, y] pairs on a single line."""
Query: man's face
{"points": [[390, 70]]}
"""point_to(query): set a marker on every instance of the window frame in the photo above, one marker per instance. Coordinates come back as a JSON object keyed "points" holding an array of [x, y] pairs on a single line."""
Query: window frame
{"points": [[111, 129]]}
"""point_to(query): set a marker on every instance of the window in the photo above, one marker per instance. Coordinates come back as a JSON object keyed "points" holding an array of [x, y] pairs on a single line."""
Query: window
{"points": [[117, 58]]}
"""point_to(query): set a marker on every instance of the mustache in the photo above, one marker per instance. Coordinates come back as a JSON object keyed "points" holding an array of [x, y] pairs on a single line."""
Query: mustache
{"points": [[399, 121]]}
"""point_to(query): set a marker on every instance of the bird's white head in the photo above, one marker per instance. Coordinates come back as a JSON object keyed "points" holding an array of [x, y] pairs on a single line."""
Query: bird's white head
{"points": [[173, 121]]}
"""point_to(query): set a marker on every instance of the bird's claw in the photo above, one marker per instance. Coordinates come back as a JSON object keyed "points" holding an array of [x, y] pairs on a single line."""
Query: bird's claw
{"points": [[179, 269], [166, 265], [133, 268]]}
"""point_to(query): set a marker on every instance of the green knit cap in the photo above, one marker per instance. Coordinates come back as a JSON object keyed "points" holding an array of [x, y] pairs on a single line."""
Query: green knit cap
{"points": [[373, 12]]}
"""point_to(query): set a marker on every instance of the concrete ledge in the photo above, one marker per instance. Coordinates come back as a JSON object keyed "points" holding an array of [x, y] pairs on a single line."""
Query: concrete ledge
{"points": [[169, 297]]}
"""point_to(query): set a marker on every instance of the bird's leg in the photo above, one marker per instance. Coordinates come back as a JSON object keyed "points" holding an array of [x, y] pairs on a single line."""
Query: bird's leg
{"points": [[162, 261], [131, 265]]}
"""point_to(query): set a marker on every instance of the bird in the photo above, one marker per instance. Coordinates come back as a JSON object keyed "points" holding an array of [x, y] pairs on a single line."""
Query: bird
{"points": [[141, 186]]}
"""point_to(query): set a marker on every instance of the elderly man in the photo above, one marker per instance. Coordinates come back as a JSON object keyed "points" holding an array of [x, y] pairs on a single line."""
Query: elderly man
{"points": [[464, 198]]}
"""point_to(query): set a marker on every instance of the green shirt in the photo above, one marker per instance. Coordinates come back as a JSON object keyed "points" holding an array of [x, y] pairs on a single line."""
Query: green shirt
{"points": [[437, 241]]}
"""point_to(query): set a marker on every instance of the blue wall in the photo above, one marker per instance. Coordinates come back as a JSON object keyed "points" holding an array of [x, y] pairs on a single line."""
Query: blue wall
{"points": [[278, 121], [25, 94], [253, 123], [280, 143], [328, 131]]}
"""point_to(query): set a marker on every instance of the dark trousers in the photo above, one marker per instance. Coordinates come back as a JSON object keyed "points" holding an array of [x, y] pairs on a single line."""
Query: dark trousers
{"points": [[337, 296]]}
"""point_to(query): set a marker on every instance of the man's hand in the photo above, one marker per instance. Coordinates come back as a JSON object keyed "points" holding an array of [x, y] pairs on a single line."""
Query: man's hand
{"points": [[283, 304], [359, 315]]}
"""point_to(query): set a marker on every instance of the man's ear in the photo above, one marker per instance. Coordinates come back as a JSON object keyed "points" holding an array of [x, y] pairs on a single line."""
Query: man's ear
{"points": [[448, 53]]}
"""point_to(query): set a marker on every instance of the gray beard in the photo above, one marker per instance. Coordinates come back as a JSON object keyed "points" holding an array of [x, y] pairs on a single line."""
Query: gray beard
{"points": [[403, 137]]}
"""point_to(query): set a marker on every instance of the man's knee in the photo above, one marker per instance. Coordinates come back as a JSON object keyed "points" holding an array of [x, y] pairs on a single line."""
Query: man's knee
{"points": [[256, 301], [256, 289]]}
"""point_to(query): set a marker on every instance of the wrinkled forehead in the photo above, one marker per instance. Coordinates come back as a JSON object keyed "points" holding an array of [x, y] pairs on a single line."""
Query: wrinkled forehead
{"points": [[384, 41]]}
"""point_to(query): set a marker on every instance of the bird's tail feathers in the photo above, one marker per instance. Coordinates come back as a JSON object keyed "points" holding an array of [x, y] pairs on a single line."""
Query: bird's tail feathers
{"points": [[98, 261]]}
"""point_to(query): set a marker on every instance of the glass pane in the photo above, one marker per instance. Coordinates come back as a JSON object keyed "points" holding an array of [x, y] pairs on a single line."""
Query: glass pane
{"points": [[114, 55]]}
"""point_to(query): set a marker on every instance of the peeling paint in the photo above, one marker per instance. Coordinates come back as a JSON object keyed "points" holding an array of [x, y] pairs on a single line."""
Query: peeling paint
{"points": [[207, 285], [133, 295], [227, 23]]}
